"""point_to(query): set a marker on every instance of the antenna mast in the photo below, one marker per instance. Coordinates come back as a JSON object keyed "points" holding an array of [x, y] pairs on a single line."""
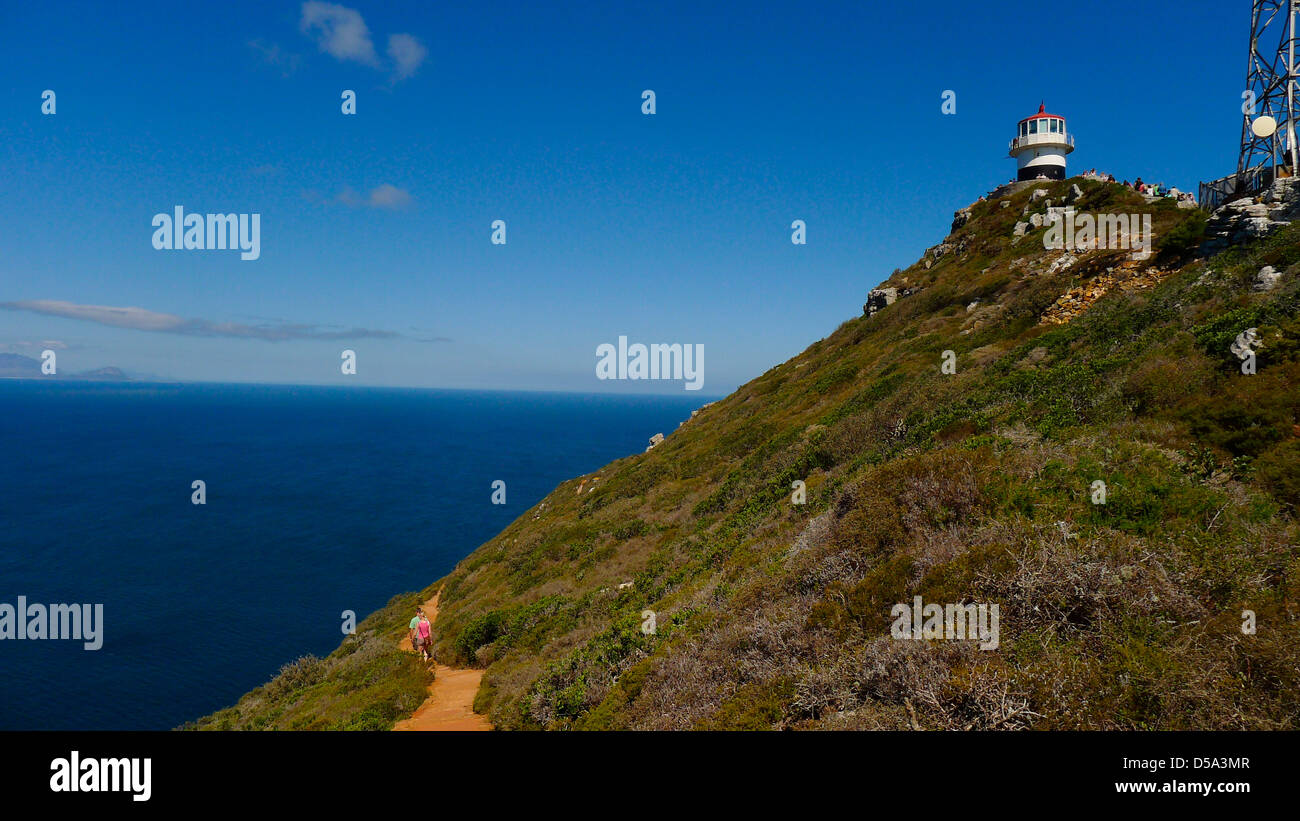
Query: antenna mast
{"points": [[1269, 149]]}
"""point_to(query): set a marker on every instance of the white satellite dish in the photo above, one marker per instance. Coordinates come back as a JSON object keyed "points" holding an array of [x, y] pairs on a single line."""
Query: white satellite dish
{"points": [[1264, 126]]}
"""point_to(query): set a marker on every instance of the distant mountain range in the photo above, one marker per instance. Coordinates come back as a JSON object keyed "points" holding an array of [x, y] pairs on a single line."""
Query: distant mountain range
{"points": [[14, 365]]}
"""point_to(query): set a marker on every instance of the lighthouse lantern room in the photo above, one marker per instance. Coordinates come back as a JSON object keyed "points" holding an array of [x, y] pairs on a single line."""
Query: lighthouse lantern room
{"points": [[1040, 146]]}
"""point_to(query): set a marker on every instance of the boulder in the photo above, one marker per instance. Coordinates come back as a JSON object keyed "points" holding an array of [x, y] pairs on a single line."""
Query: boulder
{"points": [[1266, 279], [960, 218], [879, 298], [933, 255], [1245, 343]]}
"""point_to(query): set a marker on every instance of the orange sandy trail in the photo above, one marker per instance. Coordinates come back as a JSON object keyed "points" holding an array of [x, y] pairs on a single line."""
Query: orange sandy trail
{"points": [[450, 705]]}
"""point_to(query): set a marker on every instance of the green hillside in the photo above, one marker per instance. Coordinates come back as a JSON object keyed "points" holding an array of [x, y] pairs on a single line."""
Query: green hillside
{"points": [[972, 487]]}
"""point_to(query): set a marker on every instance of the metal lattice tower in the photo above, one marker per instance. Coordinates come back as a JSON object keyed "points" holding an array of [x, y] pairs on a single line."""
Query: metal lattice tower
{"points": [[1273, 79]]}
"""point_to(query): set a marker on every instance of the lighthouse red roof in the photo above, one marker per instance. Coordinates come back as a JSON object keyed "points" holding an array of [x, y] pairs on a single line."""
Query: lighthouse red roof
{"points": [[1042, 114]]}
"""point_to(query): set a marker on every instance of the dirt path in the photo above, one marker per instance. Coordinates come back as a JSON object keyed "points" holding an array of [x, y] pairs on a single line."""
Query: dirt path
{"points": [[450, 705]]}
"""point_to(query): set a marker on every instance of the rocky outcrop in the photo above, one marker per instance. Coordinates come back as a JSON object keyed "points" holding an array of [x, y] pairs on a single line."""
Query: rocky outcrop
{"points": [[655, 440], [1252, 217], [1266, 279], [933, 255], [879, 298], [960, 218], [1061, 263], [1127, 276], [1244, 346], [943, 249], [885, 296]]}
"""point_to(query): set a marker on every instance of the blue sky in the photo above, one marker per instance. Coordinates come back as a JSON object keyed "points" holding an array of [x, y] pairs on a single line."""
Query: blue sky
{"points": [[673, 227]]}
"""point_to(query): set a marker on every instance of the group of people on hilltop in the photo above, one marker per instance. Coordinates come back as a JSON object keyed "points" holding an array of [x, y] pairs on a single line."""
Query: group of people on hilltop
{"points": [[1092, 174], [421, 633], [1148, 189], [1159, 189]]}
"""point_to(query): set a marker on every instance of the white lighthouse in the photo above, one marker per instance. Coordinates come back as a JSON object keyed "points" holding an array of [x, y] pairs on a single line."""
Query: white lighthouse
{"points": [[1040, 146]]}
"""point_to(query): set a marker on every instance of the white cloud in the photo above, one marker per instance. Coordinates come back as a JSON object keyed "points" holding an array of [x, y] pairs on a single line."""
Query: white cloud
{"points": [[389, 196], [137, 318], [342, 33], [51, 344], [383, 196], [407, 53], [140, 319], [339, 32]]}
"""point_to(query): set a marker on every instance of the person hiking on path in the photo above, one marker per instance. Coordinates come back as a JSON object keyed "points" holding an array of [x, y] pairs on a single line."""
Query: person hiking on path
{"points": [[425, 632], [413, 630]]}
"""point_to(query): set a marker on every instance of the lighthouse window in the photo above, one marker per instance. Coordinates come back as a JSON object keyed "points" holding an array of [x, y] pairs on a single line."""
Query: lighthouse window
{"points": [[1054, 128], [1033, 126], [1024, 129]]}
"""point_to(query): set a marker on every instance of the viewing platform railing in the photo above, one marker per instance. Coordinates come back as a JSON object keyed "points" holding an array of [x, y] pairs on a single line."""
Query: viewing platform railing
{"points": [[1214, 193], [1042, 139]]}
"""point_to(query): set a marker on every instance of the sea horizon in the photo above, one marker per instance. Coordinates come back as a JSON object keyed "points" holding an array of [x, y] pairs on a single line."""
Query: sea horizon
{"points": [[704, 398]]}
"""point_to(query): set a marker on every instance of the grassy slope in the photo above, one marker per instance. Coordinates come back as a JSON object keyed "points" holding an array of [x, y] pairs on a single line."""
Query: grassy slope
{"points": [[965, 487]]}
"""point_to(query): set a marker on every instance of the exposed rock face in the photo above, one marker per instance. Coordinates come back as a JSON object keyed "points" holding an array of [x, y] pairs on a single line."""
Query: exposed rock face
{"points": [[886, 295], [1061, 263], [654, 440], [1266, 279], [936, 253], [1074, 194], [879, 298], [943, 249], [960, 218], [1245, 343], [1247, 218], [1127, 276], [1019, 232]]}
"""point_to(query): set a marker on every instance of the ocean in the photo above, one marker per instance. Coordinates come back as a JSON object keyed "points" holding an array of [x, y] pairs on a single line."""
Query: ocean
{"points": [[318, 500]]}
